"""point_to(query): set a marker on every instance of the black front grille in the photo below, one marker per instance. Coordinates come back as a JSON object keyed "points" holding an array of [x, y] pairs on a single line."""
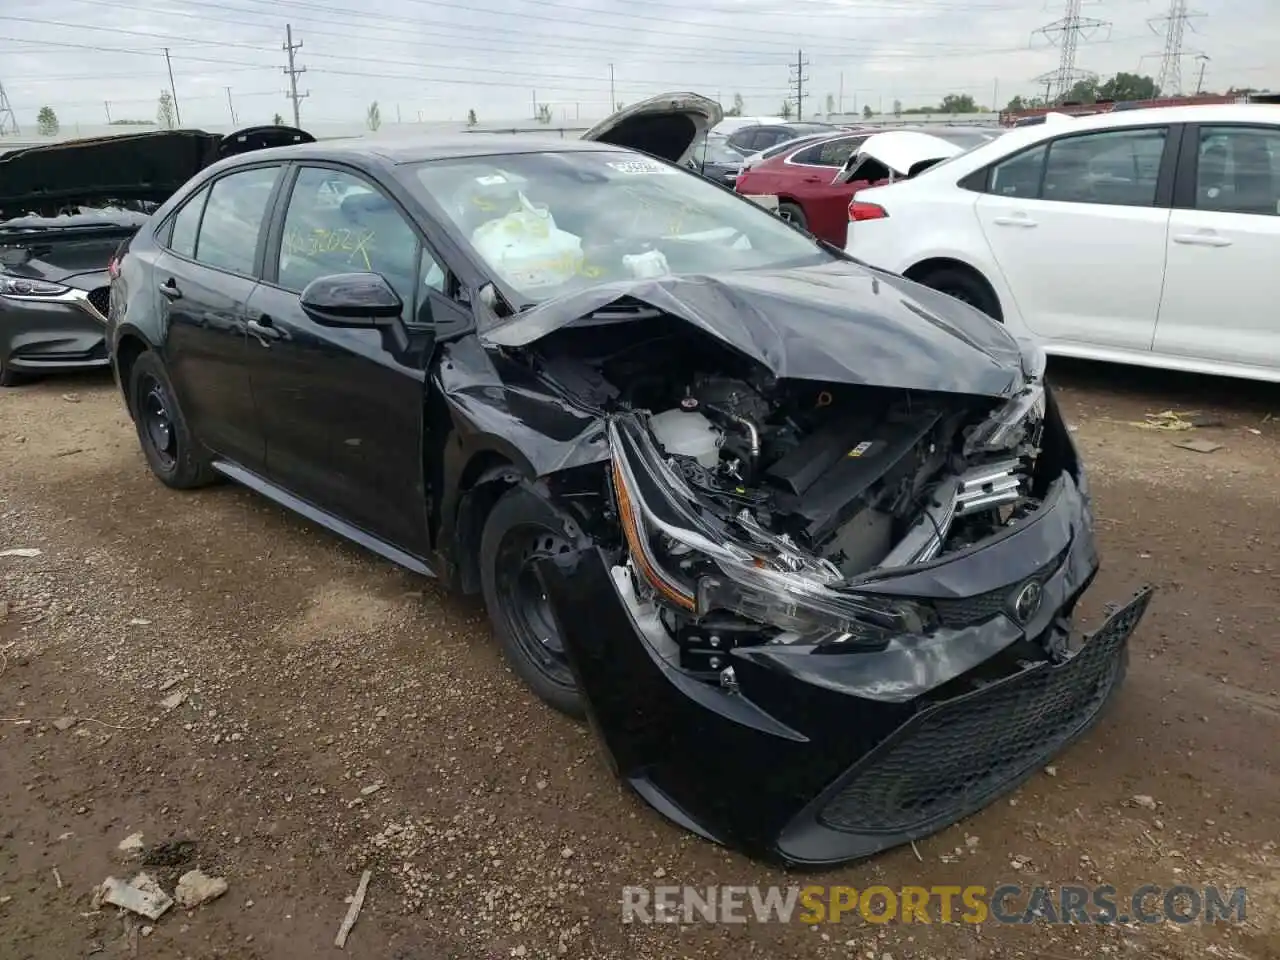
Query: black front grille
{"points": [[968, 611], [100, 299], [959, 755]]}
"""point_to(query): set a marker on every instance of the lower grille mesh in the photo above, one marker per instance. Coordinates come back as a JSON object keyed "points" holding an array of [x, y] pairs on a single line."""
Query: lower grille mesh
{"points": [[965, 751]]}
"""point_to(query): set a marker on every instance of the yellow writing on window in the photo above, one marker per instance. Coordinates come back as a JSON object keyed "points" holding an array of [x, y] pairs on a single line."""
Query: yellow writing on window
{"points": [[355, 244]]}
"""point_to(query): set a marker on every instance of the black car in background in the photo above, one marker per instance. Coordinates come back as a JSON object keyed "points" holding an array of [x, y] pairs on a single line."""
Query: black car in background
{"points": [[800, 537], [715, 159], [64, 209], [762, 136]]}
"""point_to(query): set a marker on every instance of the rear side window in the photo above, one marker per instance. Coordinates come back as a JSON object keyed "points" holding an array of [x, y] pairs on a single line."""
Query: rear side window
{"points": [[233, 217], [185, 224], [829, 153], [1238, 170], [1020, 175], [1118, 167]]}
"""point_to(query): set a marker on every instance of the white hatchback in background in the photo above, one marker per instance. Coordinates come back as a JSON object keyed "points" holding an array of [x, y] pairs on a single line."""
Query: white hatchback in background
{"points": [[1149, 237]]}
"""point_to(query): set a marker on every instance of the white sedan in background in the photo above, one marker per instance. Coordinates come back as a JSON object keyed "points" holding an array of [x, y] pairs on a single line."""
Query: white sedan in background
{"points": [[1149, 237]]}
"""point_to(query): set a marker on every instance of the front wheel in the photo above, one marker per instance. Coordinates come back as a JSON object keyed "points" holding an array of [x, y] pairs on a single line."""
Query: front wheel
{"points": [[10, 377], [521, 529]]}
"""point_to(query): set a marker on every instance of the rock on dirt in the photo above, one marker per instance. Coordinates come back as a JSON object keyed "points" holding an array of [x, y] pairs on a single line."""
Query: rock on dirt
{"points": [[130, 847], [195, 887]]}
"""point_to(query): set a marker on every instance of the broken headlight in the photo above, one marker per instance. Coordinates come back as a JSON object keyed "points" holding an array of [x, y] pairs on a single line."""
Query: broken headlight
{"points": [[804, 612], [1007, 426], [699, 575]]}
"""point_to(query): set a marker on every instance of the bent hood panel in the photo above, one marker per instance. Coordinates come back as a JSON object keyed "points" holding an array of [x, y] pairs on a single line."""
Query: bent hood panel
{"points": [[665, 126], [837, 323]]}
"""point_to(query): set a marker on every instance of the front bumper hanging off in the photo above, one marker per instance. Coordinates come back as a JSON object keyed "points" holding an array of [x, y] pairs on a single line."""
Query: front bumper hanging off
{"points": [[807, 760]]}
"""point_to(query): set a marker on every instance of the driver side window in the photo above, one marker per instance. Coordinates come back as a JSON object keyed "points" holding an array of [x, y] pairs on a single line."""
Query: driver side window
{"points": [[339, 223]]}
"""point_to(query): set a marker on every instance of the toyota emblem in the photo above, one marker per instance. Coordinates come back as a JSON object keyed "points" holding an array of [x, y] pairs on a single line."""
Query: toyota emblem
{"points": [[1027, 605]]}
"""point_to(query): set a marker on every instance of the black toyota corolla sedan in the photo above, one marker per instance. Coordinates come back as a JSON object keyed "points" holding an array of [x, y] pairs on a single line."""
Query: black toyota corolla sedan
{"points": [[799, 537]]}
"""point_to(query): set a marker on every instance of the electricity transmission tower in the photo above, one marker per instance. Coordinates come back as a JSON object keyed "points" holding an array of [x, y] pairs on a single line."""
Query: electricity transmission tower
{"points": [[1173, 25], [293, 72], [797, 80], [8, 122], [1066, 33]]}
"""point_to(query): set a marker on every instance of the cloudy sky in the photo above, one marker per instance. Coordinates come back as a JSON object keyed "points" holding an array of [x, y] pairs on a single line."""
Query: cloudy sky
{"points": [[435, 59]]}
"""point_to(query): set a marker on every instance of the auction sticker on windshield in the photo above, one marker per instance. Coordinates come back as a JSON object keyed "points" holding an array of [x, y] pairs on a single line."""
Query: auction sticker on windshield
{"points": [[639, 166]]}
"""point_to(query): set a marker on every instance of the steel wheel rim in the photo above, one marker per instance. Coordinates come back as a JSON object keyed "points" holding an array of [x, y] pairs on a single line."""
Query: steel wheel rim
{"points": [[157, 422], [525, 606]]}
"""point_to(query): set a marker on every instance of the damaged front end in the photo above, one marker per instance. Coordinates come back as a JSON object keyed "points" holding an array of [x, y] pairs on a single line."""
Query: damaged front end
{"points": [[836, 617]]}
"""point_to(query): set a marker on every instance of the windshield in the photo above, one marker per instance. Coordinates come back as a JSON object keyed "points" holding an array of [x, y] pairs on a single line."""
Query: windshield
{"points": [[547, 224]]}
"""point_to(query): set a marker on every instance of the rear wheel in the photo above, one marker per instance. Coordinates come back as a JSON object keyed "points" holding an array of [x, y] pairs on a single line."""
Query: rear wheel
{"points": [[172, 452], [965, 286], [521, 529], [792, 213]]}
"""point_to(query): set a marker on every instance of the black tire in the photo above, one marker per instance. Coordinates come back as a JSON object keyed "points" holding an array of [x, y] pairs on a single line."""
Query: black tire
{"points": [[174, 455], [521, 527], [964, 286], [792, 213]]}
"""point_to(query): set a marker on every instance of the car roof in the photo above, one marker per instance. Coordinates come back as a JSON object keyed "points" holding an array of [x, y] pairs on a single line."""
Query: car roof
{"points": [[426, 148], [1193, 113]]}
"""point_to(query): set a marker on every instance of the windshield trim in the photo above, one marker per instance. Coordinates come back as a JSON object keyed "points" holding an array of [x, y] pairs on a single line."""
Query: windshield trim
{"points": [[406, 174]]}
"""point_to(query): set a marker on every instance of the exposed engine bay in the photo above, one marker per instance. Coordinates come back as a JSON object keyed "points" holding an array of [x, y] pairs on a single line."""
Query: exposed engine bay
{"points": [[824, 483]]}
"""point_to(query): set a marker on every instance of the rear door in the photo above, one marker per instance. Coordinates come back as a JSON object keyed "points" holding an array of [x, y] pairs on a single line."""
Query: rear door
{"points": [[1222, 286], [812, 174], [1078, 227], [342, 409], [204, 275]]}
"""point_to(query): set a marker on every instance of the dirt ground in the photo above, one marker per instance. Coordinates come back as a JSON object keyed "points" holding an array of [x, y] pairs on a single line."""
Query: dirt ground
{"points": [[340, 714]]}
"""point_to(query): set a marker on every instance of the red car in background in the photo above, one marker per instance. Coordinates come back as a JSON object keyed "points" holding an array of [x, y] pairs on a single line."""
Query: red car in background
{"points": [[807, 179]]}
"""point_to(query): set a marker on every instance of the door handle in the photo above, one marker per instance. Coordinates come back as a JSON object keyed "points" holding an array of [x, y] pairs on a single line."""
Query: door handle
{"points": [[1201, 240], [1023, 221], [170, 289], [812, 179], [262, 329]]}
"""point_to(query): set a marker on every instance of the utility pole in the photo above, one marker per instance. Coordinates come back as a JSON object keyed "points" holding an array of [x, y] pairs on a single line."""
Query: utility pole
{"points": [[1173, 26], [534, 94], [107, 105], [797, 82], [294, 71], [231, 107], [1067, 33], [8, 122], [842, 93], [613, 97], [995, 97], [173, 91], [1203, 58]]}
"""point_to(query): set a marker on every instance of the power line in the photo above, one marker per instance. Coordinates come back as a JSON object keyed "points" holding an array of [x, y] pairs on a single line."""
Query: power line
{"points": [[1067, 33], [1175, 24], [797, 80], [294, 72]]}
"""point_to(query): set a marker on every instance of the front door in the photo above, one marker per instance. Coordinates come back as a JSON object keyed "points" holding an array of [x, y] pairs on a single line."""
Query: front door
{"points": [[204, 275], [1222, 286], [342, 409], [1079, 235]]}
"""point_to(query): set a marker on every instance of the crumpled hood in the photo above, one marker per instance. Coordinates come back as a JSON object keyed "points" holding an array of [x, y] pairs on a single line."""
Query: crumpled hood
{"points": [[838, 323]]}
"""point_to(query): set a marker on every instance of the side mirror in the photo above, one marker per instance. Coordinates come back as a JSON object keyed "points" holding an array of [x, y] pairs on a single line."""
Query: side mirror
{"points": [[351, 300]]}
